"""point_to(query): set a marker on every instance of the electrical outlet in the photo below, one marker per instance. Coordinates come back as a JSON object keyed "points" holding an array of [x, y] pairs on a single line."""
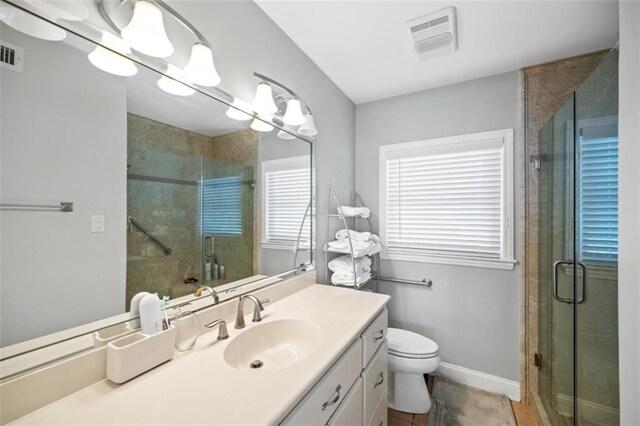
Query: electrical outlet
{"points": [[97, 223]]}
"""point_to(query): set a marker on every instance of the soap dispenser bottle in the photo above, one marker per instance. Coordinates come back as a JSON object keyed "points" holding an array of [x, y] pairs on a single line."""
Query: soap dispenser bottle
{"points": [[207, 270]]}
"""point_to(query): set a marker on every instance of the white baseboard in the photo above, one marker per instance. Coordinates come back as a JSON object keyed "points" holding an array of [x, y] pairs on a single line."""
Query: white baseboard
{"points": [[480, 380]]}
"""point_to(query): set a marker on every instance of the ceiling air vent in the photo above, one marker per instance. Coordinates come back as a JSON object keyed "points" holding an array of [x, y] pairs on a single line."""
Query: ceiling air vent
{"points": [[11, 56], [434, 34]]}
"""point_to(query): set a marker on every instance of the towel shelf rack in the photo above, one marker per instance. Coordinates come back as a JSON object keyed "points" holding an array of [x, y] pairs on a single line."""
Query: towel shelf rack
{"points": [[63, 206], [426, 282]]}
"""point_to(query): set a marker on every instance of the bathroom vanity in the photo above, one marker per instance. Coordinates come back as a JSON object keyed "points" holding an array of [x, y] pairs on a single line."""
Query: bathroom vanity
{"points": [[324, 361]]}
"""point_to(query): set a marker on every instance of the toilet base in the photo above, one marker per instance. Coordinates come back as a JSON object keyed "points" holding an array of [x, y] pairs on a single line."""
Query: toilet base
{"points": [[408, 393]]}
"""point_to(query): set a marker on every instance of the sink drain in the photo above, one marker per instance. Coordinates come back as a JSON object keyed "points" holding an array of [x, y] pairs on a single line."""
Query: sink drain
{"points": [[256, 364]]}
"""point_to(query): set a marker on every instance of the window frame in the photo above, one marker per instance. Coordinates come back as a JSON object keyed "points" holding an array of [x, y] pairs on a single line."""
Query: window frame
{"points": [[507, 260], [280, 164]]}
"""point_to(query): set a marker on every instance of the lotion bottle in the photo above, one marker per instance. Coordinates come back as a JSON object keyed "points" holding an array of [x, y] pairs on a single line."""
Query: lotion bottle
{"points": [[207, 270], [150, 314], [216, 269]]}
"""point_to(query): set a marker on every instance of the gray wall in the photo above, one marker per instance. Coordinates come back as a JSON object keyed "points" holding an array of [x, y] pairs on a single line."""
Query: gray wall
{"points": [[629, 244], [245, 41], [62, 138], [472, 313]]}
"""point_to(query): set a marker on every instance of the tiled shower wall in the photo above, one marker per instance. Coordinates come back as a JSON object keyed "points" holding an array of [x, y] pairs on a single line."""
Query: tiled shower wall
{"points": [[545, 89], [170, 209]]}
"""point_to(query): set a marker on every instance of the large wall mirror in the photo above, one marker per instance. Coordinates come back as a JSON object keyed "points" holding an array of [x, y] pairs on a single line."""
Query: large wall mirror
{"points": [[168, 193]]}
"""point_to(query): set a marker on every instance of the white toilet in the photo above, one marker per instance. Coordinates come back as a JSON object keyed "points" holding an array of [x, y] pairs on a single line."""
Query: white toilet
{"points": [[411, 356]]}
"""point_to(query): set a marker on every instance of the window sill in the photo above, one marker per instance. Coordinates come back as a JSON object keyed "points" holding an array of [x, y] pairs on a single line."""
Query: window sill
{"points": [[277, 246], [505, 265]]}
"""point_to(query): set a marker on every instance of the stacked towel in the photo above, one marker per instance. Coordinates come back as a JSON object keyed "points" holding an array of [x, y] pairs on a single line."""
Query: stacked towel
{"points": [[339, 279], [348, 211], [364, 243], [342, 265]]}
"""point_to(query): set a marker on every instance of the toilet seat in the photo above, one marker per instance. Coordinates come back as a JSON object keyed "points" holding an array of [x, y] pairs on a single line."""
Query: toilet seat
{"points": [[406, 344]]}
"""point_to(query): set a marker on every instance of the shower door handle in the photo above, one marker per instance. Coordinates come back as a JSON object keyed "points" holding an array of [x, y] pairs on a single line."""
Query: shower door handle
{"points": [[556, 295], [583, 284], [208, 246]]}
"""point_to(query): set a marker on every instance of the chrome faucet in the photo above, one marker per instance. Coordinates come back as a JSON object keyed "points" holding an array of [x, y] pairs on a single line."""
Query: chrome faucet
{"points": [[213, 293], [256, 310], [222, 332]]}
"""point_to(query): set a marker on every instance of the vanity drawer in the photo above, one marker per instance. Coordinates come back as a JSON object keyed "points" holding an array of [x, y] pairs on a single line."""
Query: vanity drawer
{"points": [[373, 336], [380, 416], [375, 382], [350, 412], [320, 403]]}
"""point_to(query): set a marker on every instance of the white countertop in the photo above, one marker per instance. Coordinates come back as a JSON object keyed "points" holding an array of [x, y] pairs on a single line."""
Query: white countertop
{"points": [[199, 387]]}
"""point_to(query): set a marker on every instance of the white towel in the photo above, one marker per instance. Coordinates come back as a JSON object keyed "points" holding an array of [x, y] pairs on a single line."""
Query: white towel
{"points": [[338, 279], [343, 264], [360, 248], [358, 236], [348, 211]]}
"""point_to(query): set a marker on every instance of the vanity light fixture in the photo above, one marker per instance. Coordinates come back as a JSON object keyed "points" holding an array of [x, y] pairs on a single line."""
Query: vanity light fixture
{"points": [[146, 32], [263, 103], [237, 112], [200, 68], [293, 115], [309, 126], [286, 136], [261, 126], [171, 82], [69, 10], [105, 58], [30, 25]]}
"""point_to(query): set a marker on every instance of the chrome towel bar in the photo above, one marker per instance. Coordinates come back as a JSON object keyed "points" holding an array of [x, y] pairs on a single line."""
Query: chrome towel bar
{"points": [[63, 206], [426, 282]]}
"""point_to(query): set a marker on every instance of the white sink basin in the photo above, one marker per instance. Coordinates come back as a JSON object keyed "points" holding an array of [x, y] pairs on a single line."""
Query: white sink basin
{"points": [[273, 345]]}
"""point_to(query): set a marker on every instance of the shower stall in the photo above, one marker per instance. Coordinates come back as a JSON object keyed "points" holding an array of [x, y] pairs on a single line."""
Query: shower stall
{"points": [[575, 219]]}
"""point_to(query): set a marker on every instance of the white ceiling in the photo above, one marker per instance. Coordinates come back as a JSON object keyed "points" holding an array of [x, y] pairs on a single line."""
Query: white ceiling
{"points": [[362, 45]]}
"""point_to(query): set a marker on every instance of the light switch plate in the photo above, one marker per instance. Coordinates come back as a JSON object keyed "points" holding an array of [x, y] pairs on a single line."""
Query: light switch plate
{"points": [[97, 223]]}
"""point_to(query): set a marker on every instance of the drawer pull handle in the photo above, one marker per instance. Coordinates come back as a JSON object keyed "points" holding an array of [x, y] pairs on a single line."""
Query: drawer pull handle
{"points": [[381, 381], [378, 336], [333, 400]]}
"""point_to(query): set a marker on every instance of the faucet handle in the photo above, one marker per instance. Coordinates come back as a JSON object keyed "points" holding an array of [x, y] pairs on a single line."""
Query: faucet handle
{"points": [[222, 333], [264, 302]]}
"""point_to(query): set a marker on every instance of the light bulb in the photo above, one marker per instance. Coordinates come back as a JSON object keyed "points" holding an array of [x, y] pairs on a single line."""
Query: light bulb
{"points": [[146, 33], [261, 126], [263, 103], [286, 136], [109, 61], [237, 112], [30, 25], [172, 86], [293, 115], [200, 68], [309, 126]]}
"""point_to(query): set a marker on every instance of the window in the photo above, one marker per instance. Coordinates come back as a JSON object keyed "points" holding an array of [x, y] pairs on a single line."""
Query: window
{"points": [[598, 195], [449, 200], [286, 193], [222, 206]]}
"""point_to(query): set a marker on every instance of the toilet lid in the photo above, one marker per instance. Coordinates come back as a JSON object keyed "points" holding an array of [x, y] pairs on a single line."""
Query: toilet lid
{"points": [[409, 343]]}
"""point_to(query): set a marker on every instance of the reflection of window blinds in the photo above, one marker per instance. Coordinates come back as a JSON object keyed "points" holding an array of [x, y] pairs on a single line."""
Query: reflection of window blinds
{"points": [[222, 206], [286, 200], [446, 202], [598, 196]]}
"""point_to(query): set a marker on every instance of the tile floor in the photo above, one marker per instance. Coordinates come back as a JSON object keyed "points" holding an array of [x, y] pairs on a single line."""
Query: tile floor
{"points": [[523, 414]]}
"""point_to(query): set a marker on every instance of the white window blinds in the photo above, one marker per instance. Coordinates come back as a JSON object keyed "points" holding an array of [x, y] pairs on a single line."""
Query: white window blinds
{"points": [[450, 197], [222, 206], [287, 192], [598, 196]]}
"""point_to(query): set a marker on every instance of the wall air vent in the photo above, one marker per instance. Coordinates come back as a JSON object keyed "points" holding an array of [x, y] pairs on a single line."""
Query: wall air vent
{"points": [[11, 56], [434, 34]]}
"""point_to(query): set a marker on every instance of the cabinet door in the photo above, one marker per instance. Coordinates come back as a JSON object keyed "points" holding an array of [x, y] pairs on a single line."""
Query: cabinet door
{"points": [[321, 402], [350, 413], [375, 382], [373, 336], [380, 415]]}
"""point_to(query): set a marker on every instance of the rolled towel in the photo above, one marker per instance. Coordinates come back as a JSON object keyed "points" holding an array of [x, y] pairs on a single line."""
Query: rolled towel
{"points": [[355, 235], [348, 211], [344, 264], [360, 248], [338, 279]]}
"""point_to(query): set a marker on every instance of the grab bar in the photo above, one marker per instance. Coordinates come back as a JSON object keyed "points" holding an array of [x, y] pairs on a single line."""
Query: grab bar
{"points": [[63, 206], [426, 282], [166, 249]]}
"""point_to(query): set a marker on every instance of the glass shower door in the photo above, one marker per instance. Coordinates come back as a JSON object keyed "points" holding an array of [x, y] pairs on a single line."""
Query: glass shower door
{"points": [[557, 269]]}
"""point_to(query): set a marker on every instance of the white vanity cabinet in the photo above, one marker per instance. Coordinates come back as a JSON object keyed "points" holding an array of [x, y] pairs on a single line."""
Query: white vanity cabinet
{"points": [[354, 390]]}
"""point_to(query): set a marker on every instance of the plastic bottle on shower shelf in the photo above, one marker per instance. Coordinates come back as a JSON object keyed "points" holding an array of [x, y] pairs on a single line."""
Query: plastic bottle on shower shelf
{"points": [[223, 273], [207, 270], [215, 270]]}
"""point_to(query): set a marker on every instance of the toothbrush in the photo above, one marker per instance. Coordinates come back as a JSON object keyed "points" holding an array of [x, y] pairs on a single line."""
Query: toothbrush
{"points": [[166, 323]]}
